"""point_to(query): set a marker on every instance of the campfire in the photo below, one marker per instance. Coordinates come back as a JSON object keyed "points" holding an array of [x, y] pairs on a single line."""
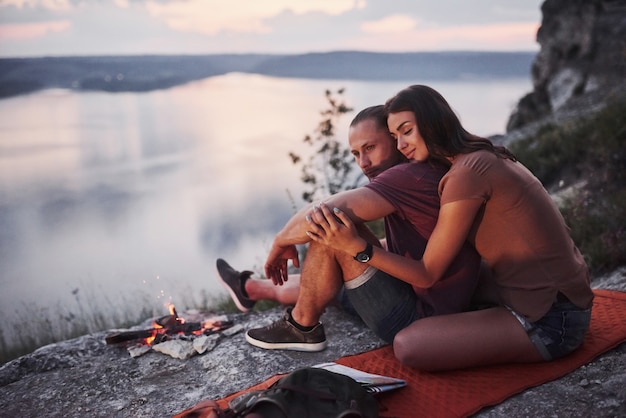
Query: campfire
{"points": [[173, 335]]}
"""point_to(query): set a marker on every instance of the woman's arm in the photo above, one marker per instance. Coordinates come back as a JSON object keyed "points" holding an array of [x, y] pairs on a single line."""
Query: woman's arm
{"points": [[453, 225]]}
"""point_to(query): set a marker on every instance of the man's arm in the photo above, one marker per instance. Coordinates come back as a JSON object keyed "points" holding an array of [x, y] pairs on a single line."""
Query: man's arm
{"points": [[360, 205]]}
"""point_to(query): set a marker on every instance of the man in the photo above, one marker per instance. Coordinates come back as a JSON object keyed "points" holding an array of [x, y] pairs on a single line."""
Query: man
{"points": [[374, 153], [406, 196]]}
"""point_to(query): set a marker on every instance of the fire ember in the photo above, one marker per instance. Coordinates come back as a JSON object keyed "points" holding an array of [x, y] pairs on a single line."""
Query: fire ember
{"points": [[173, 335]]}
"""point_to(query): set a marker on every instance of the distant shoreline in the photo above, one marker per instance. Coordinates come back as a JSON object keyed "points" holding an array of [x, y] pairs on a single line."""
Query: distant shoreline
{"points": [[153, 72]]}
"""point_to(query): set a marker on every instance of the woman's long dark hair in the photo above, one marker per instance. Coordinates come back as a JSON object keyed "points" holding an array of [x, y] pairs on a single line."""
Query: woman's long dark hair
{"points": [[439, 126]]}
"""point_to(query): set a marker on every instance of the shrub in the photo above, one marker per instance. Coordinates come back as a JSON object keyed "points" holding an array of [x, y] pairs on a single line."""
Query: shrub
{"points": [[592, 149]]}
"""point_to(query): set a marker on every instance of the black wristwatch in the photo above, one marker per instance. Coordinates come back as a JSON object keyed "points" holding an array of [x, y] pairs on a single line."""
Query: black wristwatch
{"points": [[365, 255]]}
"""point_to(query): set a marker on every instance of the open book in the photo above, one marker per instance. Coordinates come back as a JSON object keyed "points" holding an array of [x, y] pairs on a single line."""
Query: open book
{"points": [[371, 382]]}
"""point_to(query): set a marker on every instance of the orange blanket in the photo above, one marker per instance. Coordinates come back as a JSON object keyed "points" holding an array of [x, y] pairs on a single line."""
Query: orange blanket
{"points": [[465, 392]]}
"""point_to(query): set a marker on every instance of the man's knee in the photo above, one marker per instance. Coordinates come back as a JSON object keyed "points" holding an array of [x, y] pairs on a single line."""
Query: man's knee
{"points": [[320, 250], [319, 254]]}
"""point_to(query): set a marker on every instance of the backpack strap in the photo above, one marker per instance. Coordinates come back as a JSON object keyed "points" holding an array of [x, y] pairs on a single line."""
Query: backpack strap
{"points": [[307, 391]]}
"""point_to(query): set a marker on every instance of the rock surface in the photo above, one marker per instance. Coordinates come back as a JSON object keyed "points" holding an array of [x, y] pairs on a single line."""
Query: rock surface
{"points": [[85, 377], [581, 61]]}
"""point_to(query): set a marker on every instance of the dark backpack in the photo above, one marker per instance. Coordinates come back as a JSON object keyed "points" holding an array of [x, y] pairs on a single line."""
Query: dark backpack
{"points": [[308, 392]]}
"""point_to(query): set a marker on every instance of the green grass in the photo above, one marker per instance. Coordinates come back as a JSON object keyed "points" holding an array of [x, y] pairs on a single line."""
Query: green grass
{"points": [[227, 305], [591, 149], [37, 326]]}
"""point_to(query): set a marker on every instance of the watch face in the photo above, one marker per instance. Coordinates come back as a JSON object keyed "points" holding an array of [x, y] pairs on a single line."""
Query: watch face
{"points": [[365, 255], [362, 257]]}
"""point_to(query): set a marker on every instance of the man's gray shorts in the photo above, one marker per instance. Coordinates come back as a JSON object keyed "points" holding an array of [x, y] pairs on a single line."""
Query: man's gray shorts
{"points": [[384, 303]]}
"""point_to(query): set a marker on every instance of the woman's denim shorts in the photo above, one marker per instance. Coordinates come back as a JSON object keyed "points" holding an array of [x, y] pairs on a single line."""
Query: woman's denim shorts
{"points": [[558, 332]]}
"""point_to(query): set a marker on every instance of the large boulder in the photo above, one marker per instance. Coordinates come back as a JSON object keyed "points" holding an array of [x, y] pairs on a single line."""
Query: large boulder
{"points": [[581, 62]]}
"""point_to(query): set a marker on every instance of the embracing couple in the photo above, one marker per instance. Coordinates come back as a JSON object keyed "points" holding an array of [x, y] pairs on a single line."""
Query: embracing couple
{"points": [[477, 266]]}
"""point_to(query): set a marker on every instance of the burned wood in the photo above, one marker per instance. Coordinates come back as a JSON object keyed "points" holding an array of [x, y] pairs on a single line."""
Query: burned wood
{"points": [[126, 336], [163, 334]]}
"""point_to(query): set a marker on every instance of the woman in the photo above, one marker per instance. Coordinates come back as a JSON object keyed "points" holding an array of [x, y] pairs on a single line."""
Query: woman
{"points": [[537, 283]]}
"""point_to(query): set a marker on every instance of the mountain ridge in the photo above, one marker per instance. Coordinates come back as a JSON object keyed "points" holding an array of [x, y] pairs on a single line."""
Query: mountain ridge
{"points": [[151, 72]]}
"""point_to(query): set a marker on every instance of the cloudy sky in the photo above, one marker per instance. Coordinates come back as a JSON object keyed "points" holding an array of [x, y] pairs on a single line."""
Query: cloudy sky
{"points": [[113, 27]]}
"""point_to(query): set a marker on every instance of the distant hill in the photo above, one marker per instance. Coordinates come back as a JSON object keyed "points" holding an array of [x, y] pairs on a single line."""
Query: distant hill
{"points": [[394, 66], [144, 73]]}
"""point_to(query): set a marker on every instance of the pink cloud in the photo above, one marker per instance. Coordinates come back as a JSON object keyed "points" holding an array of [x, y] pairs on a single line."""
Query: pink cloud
{"points": [[501, 33], [500, 36], [12, 32], [394, 23]]}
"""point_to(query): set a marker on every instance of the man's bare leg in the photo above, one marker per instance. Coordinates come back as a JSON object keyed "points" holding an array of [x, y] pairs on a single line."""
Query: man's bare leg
{"points": [[320, 282], [263, 289], [299, 328], [321, 267], [323, 273]]}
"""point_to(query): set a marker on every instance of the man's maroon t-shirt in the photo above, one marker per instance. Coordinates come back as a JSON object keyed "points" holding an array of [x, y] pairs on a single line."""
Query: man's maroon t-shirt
{"points": [[412, 188]]}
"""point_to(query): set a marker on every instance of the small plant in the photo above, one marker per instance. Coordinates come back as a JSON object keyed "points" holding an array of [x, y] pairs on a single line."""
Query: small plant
{"points": [[598, 226], [327, 171]]}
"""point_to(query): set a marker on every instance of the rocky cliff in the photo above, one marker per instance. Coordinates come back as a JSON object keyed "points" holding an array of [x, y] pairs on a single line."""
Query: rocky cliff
{"points": [[581, 63]]}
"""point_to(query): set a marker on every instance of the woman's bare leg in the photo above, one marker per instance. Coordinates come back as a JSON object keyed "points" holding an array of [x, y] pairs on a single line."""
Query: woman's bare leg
{"points": [[457, 341]]}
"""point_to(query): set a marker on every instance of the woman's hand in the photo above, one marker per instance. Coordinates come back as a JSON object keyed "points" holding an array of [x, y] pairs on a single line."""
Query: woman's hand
{"points": [[334, 229]]}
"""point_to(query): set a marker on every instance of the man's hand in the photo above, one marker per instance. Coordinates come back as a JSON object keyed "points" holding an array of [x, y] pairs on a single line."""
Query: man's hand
{"points": [[276, 264]]}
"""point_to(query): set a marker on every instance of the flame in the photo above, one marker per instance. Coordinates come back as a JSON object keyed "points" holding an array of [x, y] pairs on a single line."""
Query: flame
{"points": [[173, 312], [149, 340], [170, 326]]}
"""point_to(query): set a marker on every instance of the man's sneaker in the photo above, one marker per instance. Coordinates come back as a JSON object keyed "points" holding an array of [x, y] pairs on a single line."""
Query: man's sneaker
{"points": [[235, 282], [283, 335]]}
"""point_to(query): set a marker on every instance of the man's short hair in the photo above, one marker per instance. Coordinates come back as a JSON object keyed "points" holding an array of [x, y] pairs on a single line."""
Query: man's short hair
{"points": [[376, 113]]}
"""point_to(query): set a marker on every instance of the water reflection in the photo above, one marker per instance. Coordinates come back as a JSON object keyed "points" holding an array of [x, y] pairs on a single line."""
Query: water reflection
{"points": [[131, 197]]}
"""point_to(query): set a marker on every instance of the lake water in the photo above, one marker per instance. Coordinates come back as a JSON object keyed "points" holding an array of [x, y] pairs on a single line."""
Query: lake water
{"points": [[111, 201]]}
